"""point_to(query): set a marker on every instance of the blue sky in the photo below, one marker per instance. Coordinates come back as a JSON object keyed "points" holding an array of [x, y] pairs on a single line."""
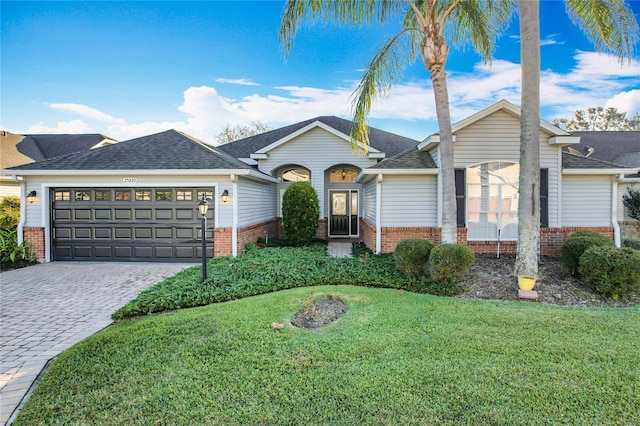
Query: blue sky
{"points": [[127, 69]]}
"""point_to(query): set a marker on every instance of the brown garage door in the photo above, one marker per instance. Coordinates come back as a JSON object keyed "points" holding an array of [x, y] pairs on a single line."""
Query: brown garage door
{"points": [[129, 224]]}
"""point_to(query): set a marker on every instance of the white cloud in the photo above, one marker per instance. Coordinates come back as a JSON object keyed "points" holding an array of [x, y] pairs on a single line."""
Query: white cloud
{"points": [[86, 111], [550, 40], [628, 102], [73, 126], [240, 81]]}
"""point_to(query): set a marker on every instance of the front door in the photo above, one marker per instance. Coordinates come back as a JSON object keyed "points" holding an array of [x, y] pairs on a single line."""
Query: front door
{"points": [[343, 214]]}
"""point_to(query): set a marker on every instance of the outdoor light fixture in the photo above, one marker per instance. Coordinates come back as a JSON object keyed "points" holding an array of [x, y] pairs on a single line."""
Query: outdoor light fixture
{"points": [[203, 207], [31, 197], [225, 196], [344, 174]]}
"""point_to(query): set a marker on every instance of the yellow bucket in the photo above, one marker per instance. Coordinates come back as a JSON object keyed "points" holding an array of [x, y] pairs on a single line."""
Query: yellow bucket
{"points": [[526, 283]]}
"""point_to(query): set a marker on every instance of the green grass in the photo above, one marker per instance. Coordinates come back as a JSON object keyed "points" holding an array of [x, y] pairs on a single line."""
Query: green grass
{"points": [[395, 359]]}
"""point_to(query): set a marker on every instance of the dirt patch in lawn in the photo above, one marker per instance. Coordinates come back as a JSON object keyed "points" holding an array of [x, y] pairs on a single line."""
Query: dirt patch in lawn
{"points": [[319, 313], [492, 278]]}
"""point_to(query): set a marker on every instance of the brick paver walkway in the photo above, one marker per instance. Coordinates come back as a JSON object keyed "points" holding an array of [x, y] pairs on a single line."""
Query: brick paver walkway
{"points": [[47, 308]]}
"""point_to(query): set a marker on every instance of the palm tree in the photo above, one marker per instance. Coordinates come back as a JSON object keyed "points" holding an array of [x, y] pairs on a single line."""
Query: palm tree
{"points": [[424, 26], [611, 26]]}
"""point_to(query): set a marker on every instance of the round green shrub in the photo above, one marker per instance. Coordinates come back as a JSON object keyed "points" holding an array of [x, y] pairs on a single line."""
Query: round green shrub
{"points": [[9, 211], [611, 271], [300, 213], [448, 263], [574, 246], [411, 256]]}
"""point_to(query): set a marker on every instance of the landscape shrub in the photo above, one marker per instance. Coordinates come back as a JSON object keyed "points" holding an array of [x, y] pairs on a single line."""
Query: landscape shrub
{"points": [[269, 269], [9, 212], [633, 243], [300, 213], [611, 271], [12, 253], [411, 256], [448, 263], [574, 246]]}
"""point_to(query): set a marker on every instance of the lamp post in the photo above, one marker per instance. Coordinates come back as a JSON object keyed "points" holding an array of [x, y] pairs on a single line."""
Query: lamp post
{"points": [[203, 207]]}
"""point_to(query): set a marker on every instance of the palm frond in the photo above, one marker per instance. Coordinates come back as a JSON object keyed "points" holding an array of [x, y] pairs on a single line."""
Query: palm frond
{"points": [[384, 69], [609, 24]]}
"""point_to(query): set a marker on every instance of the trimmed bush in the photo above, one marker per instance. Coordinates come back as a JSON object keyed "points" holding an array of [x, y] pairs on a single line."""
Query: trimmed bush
{"points": [[300, 213], [448, 263], [633, 243], [611, 271], [574, 246], [412, 255], [9, 212]]}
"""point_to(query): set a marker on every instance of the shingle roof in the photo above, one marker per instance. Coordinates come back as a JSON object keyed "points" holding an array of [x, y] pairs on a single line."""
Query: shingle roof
{"points": [[386, 142], [166, 150], [621, 147], [42, 147], [410, 159], [573, 161]]}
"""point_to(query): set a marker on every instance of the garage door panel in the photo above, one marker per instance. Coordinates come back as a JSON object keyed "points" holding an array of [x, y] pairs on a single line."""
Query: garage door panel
{"points": [[128, 224]]}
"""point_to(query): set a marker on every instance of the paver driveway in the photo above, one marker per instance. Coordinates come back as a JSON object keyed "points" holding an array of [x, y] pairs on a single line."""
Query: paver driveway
{"points": [[47, 308]]}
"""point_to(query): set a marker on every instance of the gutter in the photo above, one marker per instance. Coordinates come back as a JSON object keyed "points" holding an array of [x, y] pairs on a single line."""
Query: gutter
{"points": [[614, 210], [234, 220], [378, 212]]}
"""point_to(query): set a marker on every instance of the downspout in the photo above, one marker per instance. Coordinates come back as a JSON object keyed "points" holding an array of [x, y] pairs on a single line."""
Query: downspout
{"points": [[23, 208], [614, 210], [439, 192], [234, 220], [378, 210]]}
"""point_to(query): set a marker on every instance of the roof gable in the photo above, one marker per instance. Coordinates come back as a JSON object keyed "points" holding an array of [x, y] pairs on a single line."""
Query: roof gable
{"points": [[44, 146], [380, 141]]}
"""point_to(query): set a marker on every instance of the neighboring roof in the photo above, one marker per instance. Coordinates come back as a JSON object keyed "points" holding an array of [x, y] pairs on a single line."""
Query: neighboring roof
{"points": [[577, 164], [410, 159], [169, 150], [389, 143], [42, 147], [621, 147], [9, 154]]}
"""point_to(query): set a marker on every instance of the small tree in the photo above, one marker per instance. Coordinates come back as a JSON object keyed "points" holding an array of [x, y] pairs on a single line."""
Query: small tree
{"points": [[599, 119], [9, 211], [300, 213], [631, 201], [236, 132]]}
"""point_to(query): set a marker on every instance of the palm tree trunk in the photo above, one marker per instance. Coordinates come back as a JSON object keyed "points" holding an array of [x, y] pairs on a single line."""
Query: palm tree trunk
{"points": [[529, 184], [447, 170]]}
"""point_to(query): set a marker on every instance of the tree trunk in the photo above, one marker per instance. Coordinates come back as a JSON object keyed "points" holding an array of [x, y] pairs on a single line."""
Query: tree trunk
{"points": [[529, 184], [447, 171]]}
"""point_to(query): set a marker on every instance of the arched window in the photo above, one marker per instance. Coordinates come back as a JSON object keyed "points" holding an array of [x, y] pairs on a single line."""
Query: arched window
{"points": [[343, 175], [492, 201], [296, 174]]}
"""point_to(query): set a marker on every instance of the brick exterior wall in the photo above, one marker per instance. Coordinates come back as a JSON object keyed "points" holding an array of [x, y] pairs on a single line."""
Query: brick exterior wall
{"points": [[322, 233], [222, 245], [551, 239], [34, 236], [250, 234]]}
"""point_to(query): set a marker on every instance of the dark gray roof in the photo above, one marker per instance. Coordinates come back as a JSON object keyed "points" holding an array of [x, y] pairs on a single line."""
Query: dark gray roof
{"points": [[573, 161], [621, 147], [166, 150], [410, 159], [386, 142], [42, 147]]}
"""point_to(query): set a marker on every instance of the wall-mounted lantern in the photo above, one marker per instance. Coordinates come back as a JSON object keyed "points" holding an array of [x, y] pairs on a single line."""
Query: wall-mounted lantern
{"points": [[31, 197], [225, 196]]}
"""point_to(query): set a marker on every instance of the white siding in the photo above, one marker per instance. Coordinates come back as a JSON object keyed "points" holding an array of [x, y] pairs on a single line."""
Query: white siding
{"points": [[9, 188], [317, 150], [409, 201], [586, 201], [497, 138], [369, 201], [256, 201]]}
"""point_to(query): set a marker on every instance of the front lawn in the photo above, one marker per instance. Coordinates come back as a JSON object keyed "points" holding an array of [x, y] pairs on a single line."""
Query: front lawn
{"points": [[393, 358]]}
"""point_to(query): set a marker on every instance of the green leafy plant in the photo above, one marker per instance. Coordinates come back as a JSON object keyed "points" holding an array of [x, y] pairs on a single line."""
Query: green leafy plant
{"points": [[300, 212], [448, 263], [412, 255], [611, 271], [630, 242], [10, 251], [631, 201], [9, 212], [574, 246]]}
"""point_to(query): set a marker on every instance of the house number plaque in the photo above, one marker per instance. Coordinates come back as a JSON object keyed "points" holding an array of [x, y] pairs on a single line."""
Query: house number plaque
{"points": [[130, 180]]}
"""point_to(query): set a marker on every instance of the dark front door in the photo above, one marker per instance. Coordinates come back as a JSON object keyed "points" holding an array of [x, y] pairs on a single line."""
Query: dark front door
{"points": [[343, 213]]}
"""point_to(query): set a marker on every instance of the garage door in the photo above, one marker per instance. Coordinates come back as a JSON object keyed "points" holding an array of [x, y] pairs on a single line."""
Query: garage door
{"points": [[129, 224]]}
